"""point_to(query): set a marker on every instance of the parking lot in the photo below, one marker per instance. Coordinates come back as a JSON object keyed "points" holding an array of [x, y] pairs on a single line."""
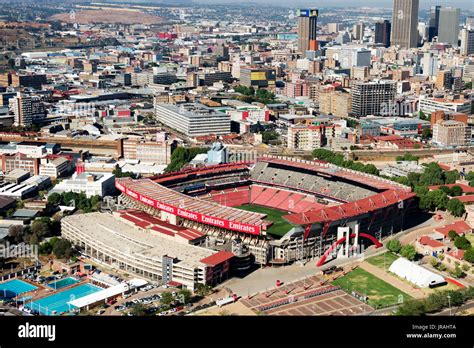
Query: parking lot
{"points": [[150, 299]]}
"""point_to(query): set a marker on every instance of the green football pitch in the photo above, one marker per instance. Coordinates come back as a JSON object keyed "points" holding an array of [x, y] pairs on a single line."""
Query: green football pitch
{"points": [[380, 293], [279, 227]]}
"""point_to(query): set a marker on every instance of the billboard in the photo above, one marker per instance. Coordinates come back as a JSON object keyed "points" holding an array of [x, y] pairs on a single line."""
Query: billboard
{"points": [[190, 215], [308, 12]]}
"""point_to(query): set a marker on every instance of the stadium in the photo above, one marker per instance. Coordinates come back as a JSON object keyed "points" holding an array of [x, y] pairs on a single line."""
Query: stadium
{"points": [[278, 210]]}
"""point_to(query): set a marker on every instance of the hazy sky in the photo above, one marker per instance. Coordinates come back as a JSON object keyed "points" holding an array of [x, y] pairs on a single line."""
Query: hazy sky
{"points": [[465, 4]]}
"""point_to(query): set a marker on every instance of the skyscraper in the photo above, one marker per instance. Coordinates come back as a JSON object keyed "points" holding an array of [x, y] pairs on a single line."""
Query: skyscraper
{"points": [[27, 109], [358, 31], [382, 32], [373, 98], [448, 31], [307, 28], [405, 23], [434, 23], [467, 41]]}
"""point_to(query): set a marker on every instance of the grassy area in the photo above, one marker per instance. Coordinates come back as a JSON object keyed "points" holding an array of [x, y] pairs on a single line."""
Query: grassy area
{"points": [[378, 260], [280, 226], [470, 238], [380, 293]]}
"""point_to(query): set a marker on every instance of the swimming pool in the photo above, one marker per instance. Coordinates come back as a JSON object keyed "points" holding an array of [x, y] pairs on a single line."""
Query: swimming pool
{"points": [[62, 283], [15, 287], [58, 303]]}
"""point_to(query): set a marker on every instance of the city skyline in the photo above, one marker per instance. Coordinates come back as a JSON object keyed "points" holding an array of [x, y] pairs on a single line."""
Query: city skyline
{"points": [[424, 4]]}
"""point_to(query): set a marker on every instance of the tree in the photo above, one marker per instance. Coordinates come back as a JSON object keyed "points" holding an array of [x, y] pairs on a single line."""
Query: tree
{"points": [[455, 191], [62, 249], [433, 200], [457, 272], [138, 309], [120, 174], [166, 298], [408, 252], [462, 242], [45, 248], [451, 176], [407, 157], [55, 199], [412, 308], [452, 235], [16, 233], [394, 245], [456, 207], [426, 134], [432, 175], [181, 156], [40, 228], [269, 136], [469, 255], [184, 296], [203, 290]]}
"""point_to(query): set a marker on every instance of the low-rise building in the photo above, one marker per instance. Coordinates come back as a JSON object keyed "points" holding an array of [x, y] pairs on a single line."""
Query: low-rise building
{"points": [[451, 134], [55, 168], [92, 184]]}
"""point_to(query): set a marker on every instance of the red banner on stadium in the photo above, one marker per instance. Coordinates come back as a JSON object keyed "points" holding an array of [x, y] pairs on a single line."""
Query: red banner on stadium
{"points": [[190, 215]]}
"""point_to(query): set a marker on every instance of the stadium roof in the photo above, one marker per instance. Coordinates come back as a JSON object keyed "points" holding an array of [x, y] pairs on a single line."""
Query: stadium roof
{"points": [[201, 171], [335, 171], [163, 198], [351, 209]]}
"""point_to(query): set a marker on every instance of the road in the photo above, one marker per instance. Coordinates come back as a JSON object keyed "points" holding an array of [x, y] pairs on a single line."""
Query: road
{"points": [[265, 278], [455, 310]]}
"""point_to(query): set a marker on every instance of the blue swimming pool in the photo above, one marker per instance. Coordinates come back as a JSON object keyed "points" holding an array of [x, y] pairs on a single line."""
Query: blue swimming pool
{"points": [[15, 287], [62, 283], [58, 303]]}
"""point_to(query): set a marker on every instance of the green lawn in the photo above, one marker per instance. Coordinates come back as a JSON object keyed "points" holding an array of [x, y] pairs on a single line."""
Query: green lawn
{"points": [[280, 226], [379, 260], [470, 238], [380, 293]]}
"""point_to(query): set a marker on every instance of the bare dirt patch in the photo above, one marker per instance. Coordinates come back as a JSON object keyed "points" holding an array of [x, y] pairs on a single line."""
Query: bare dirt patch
{"points": [[108, 16]]}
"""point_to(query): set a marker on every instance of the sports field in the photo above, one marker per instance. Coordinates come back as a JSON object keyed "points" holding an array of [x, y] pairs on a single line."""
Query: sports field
{"points": [[380, 293], [280, 226], [385, 259]]}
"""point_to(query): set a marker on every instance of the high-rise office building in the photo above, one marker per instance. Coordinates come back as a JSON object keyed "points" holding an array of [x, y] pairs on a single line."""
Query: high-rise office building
{"points": [[433, 23], [448, 31], [470, 22], [27, 109], [373, 98], [334, 28], [467, 41], [358, 31], [307, 30], [382, 32], [405, 23], [444, 79]]}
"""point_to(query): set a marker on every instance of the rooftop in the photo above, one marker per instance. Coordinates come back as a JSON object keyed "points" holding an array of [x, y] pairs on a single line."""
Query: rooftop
{"points": [[136, 241]]}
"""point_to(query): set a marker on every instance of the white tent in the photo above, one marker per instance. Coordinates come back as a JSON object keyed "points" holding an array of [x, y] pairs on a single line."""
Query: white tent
{"points": [[415, 274]]}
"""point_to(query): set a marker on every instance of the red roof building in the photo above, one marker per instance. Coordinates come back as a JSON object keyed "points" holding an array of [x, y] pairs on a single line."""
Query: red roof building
{"points": [[460, 227], [216, 259]]}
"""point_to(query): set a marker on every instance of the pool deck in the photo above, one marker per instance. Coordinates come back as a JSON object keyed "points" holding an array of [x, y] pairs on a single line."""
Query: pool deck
{"points": [[58, 304]]}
